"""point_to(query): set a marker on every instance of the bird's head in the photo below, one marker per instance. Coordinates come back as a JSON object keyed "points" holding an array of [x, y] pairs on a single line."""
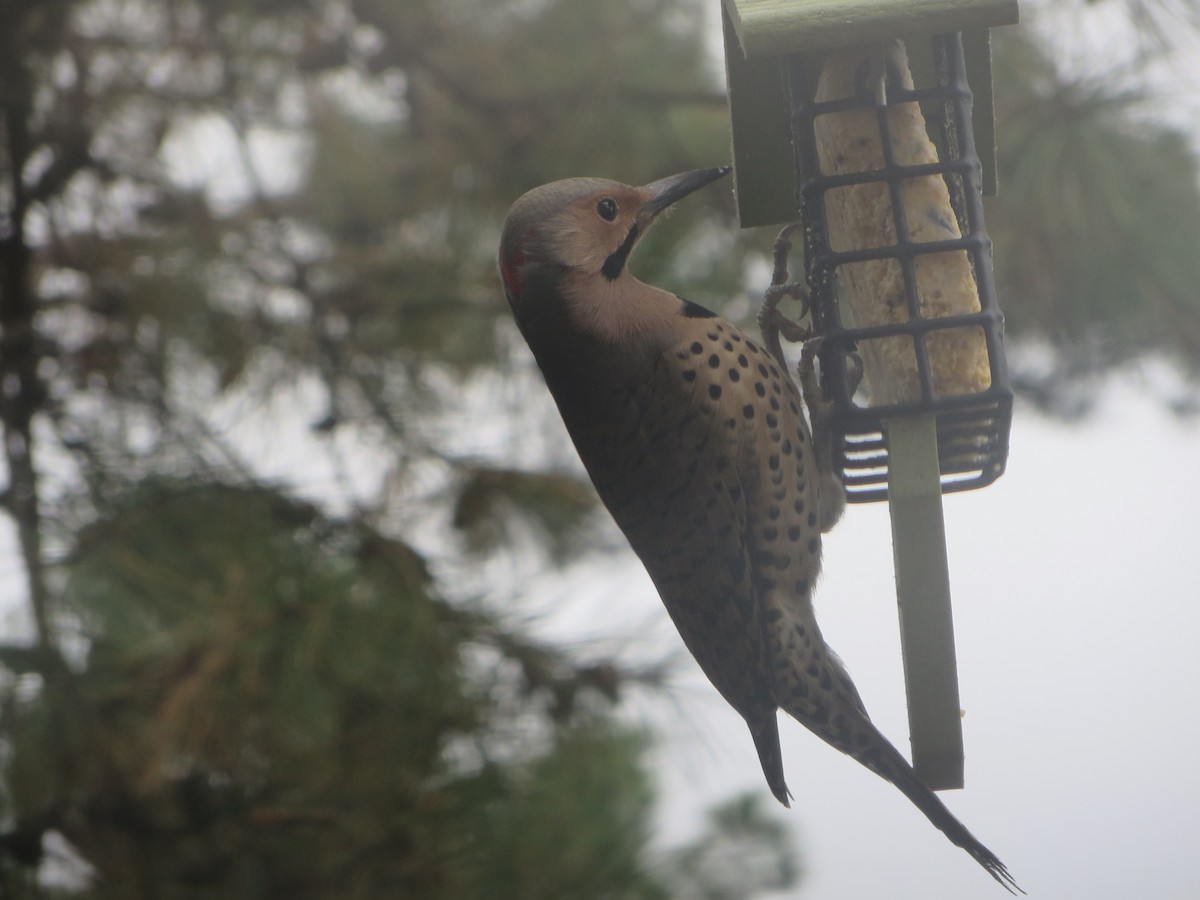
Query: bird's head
{"points": [[574, 236]]}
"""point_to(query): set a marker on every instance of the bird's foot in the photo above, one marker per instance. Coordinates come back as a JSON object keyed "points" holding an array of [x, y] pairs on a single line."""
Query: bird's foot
{"points": [[832, 493], [771, 321]]}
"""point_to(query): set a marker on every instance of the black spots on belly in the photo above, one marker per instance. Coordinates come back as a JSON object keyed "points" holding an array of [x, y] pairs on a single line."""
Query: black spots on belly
{"points": [[734, 375], [794, 533], [799, 506], [747, 412], [697, 348], [682, 354], [743, 361], [760, 389], [774, 371], [731, 424], [712, 336], [772, 420], [762, 370], [812, 520], [737, 338], [751, 346], [815, 670], [714, 391], [814, 544], [728, 345], [799, 626], [777, 480], [774, 512], [779, 494], [770, 533], [786, 449], [714, 361], [689, 375], [801, 588], [773, 462], [775, 404], [776, 388], [794, 408]]}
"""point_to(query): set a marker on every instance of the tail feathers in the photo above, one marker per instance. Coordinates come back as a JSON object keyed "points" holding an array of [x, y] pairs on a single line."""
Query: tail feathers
{"points": [[766, 741], [886, 761]]}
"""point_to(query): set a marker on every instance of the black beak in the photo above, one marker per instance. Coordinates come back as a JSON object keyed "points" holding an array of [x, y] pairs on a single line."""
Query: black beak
{"points": [[668, 190]]}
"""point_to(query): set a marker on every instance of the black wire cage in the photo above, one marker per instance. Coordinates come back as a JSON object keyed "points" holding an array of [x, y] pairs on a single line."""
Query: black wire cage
{"points": [[972, 428]]}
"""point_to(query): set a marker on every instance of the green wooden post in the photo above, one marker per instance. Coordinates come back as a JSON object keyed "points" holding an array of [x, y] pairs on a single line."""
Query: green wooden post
{"points": [[757, 34], [923, 597]]}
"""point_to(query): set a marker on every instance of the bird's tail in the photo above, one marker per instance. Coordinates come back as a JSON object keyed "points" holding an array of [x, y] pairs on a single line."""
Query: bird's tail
{"points": [[765, 732], [886, 761]]}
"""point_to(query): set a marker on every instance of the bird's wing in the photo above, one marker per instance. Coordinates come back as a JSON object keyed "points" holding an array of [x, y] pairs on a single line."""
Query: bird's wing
{"points": [[666, 460]]}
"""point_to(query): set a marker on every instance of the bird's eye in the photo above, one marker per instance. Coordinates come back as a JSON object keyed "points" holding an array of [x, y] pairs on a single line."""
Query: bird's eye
{"points": [[607, 208]]}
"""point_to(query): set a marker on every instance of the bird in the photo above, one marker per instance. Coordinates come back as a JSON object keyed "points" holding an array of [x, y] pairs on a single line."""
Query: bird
{"points": [[695, 438]]}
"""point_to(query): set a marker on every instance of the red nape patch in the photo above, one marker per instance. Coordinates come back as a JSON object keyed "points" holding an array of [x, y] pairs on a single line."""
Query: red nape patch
{"points": [[509, 271]]}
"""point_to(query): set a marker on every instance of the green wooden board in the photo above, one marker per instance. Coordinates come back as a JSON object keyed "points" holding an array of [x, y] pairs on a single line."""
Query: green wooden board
{"points": [[764, 175], [772, 27], [765, 186]]}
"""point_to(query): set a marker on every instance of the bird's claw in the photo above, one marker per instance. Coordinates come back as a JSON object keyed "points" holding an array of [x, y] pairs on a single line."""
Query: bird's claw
{"points": [[832, 494], [854, 371]]}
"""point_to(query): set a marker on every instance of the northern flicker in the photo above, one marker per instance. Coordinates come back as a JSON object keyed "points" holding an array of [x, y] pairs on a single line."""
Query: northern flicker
{"points": [[695, 440]]}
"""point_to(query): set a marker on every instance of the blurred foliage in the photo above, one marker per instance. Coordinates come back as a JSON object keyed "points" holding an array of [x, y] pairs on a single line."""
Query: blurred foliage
{"points": [[214, 211], [556, 503], [1095, 227], [280, 706], [737, 857], [221, 218]]}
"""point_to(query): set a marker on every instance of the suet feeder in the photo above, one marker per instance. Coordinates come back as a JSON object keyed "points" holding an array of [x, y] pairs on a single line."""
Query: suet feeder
{"points": [[870, 122]]}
